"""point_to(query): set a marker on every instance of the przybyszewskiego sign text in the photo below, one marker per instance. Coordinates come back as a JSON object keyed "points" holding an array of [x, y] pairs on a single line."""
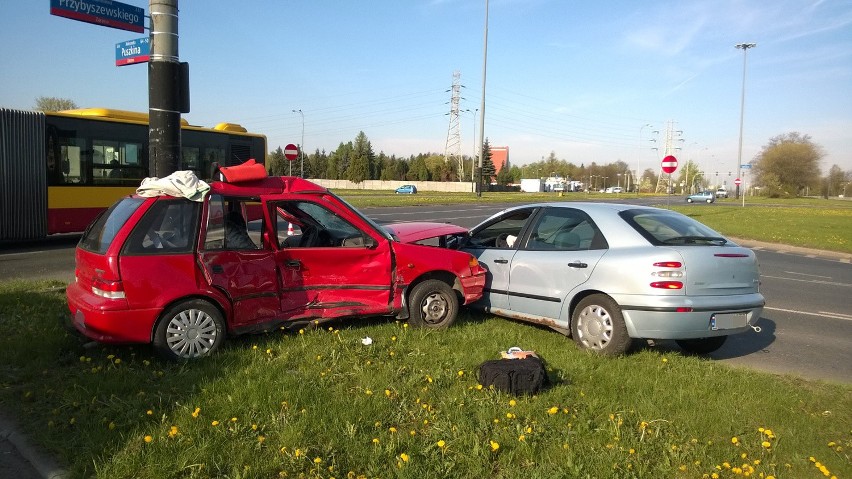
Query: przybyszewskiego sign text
{"points": [[101, 12]]}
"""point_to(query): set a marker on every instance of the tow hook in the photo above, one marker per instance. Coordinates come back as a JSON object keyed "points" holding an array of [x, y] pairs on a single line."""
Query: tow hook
{"points": [[755, 328]]}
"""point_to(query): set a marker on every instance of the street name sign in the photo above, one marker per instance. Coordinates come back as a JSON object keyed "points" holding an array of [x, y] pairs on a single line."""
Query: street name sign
{"points": [[101, 12], [133, 51]]}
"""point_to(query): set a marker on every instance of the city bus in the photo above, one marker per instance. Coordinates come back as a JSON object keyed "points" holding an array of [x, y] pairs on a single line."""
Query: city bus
{"points": [[59, 170]]}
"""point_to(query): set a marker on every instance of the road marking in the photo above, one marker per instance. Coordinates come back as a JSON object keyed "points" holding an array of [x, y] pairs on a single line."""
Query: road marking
{"points": [[821, 314], [805, 274], [830, 283]]}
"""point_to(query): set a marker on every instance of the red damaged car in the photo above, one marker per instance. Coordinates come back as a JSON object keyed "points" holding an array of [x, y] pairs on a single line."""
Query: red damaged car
{"points": [[253, 256]]}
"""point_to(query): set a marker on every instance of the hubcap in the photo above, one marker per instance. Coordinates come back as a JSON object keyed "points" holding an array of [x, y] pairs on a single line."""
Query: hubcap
{"points": [[191, 333], [594, 327], [434, 308]]}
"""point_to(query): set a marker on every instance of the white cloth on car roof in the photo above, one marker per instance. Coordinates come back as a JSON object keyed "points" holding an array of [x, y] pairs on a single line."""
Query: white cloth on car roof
{"points": [[180, 184]]}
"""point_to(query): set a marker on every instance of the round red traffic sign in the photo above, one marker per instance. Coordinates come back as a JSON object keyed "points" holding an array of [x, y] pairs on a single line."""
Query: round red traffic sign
{"points": [[291, 152], [737, 181], [669, 164]]}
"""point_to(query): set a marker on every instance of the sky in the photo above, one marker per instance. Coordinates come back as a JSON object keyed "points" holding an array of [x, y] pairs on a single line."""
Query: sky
{"points": [[589, 81]]}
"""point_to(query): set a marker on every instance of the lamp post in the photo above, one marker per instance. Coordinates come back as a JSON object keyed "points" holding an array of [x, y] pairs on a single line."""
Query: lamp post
{"points": [[639, 156], [301, 146], [744, 47], [482, 103]]}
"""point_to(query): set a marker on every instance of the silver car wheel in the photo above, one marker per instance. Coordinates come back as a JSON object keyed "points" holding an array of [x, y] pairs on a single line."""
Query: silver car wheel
{"points": [[191, 334], [597, 325], [594, 327]]}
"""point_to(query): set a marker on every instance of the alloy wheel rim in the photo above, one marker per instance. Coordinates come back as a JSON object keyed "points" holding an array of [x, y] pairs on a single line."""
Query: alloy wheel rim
{"points": [[191, 333]]}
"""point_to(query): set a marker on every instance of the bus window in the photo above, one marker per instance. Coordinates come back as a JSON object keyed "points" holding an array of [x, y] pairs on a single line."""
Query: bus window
{"points": [[72, 160], [116, 162], [189, 158]]}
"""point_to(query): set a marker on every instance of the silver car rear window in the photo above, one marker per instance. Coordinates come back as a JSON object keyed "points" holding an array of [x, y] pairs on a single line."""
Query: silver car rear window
{"points": [[661, 227]]}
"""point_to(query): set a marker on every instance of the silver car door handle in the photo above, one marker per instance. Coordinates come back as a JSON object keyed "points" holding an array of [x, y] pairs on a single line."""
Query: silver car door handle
{"points": [[501, 261], [577, 264]]}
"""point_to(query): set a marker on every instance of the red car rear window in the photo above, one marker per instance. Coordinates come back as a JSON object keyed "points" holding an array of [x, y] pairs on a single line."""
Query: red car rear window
{"points": [[100, 234]]}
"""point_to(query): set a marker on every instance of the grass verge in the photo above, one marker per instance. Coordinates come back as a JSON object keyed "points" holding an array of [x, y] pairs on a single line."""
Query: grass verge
{"points": [[320, 404]]}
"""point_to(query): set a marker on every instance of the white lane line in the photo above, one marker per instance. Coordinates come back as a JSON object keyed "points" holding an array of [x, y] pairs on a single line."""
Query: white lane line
{"points": [[814, 281], [805, 274], [821, 314]]}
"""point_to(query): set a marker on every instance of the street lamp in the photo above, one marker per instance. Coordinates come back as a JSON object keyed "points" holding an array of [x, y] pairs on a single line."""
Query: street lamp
{"points": [[301, 146], [744, 47], [482, 103]]}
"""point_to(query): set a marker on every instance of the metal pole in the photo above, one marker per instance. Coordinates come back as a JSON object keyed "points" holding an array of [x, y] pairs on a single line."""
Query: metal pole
{"points": [[482, 104], [301, 146], [744, 47], [163, 92]]}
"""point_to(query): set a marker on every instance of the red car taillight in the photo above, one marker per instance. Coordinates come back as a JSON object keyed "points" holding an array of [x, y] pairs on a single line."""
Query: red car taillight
{"points": [[108, 289], [667, 284]]}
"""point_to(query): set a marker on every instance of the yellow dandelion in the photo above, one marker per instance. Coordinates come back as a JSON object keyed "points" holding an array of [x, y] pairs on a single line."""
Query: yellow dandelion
{"points": [[441, 444], [387, 392], [513, 403], [461, 373], [479, 387], [404, 457], [632, 451], [148, 439], [260, 439], [553, 410], [149, 412], [766, 444], [233, 419], [392, 430], [735, 440], [368, 392], [173, 431], [522, 438], [665, 360], [298, 453], [196, 412], [494, 445], [214, 423], [317, 460], [375, 440], [682, 467], [301, 331], [412, 432]]}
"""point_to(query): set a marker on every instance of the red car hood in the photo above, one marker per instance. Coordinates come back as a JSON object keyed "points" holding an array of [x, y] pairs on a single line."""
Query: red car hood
{"points": [[422, 230]]}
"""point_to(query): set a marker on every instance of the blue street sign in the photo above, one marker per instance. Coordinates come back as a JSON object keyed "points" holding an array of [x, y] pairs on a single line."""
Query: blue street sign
{"points": [[745, 166], [101, 12], [133, 51]]}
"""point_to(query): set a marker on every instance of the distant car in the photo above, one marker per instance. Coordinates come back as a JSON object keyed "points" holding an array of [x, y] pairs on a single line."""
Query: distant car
{"points": [[705, 196], [613, 189], [406, 190], [721, 193], [606, 274], [253, 256]]}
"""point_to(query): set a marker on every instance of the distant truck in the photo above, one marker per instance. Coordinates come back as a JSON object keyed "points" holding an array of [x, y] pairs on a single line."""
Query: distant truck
{"points": [[721, 192]]}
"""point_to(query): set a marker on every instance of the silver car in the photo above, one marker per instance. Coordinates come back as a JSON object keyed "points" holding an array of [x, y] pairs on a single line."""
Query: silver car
{"points": [[606, 274]]}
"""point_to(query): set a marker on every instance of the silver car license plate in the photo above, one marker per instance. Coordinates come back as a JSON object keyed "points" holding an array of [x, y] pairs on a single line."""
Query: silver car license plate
{"points": [[728, 321]]}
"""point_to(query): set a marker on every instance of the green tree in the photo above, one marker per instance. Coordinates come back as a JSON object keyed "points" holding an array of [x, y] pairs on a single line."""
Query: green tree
{"points": [[488, 170], [49, 103], [417, 170], [836, 180], [361, 161], [276, 163], [790, 161], [316, 164]]}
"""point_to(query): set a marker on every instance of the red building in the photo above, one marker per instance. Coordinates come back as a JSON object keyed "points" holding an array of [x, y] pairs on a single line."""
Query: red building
{"points": [[500, 158]]}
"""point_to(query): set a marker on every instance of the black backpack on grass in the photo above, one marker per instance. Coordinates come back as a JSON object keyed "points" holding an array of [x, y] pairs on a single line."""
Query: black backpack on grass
{"points": [[514, 376]]}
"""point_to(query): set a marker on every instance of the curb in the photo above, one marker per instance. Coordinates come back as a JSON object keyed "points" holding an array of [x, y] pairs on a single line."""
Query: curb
{"points": [[41, 462]]}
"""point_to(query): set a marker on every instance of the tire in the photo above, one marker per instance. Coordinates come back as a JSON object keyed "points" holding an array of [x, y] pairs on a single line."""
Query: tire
{"points": [[189, 330], [689, 200], [709, 201], [432, 304], [598, 325], [701, 345]]}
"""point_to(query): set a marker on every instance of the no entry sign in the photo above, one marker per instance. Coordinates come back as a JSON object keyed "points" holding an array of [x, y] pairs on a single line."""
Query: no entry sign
{"points": [[669, 164], [291, 152]]}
